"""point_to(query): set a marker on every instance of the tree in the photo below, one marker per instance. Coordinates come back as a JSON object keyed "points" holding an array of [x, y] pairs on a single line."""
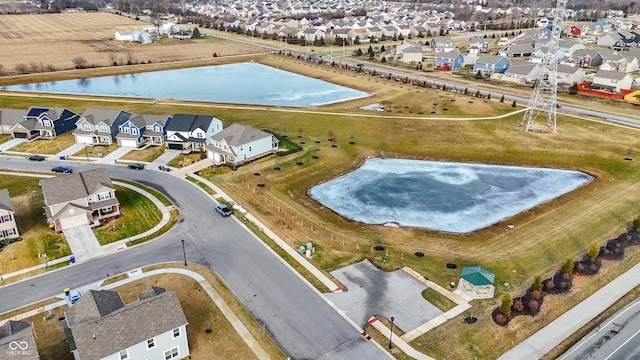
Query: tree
{"points": [[479, 75], [567, 266], [395, 37], [537, 283], [507, 302], [370, 50], [636, 222], [466, 91], [79, 62], [195, 34], [513, 104], [502, 99], [382, 49], [477, 93], [594, 250], [573, 89], [489, 96], [383, 60]]}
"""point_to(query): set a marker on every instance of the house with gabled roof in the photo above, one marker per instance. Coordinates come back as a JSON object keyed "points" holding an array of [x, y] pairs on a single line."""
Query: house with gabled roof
{"points": [[569, 75], [238, 144], [612, 81], [523, 72], [83, 198], [189, 133], [100, 326], [44, 123], [449, 61], [142, 129], [99, 126], [588, 58], [442, 44], [8, 118], [8, 226], [17, 341], [491, 64]]}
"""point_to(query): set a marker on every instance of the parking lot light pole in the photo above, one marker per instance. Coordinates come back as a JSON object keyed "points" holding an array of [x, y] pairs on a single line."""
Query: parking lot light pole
{"points": [[184, 253], [391, 334]]}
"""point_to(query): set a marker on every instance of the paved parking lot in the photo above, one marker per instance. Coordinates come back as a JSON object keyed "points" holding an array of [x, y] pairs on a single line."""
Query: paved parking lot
{"points": [[371, 291]]}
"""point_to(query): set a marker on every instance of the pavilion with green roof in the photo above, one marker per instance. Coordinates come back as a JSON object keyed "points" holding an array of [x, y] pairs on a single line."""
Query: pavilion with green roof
{"points": [[477, 282]]}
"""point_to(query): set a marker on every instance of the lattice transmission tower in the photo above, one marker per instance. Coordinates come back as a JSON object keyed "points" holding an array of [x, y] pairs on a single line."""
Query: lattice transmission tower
{"points": [[545, 92]]}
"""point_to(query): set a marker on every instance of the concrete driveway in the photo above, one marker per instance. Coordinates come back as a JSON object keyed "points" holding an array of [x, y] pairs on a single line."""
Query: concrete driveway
{"points": [[371, 291], [83, 242]]}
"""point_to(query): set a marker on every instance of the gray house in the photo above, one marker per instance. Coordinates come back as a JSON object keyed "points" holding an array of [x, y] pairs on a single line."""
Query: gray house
{"points": [[8, 118], [101, 326], [17, 341], [8, 227], [99, 126]]}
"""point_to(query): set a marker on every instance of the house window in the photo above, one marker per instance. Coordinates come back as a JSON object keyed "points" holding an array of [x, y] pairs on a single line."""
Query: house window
{"points": [[87, 127], [125, 130], [107, 209], [134, 131], [124, 354], [90, 198], [6, 218], [249, 148], [46, 123], [151, 343], [104, 129], [104, 196], [176, 332], [10, 232], [170, 354]]}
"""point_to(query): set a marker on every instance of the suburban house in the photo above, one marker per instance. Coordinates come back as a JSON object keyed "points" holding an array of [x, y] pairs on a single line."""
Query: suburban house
{"points": [[449, 61], [238, 144], [409, 52], [442, 44], [483, 44], [99, 126], [612, 81], [83, 198], [8, 227], [569, 75], [588, 58], [8, 118], [491, 64], [189, 133], [17, 341], [101, 326], [141, 129], [523, 72], [45, 123]]}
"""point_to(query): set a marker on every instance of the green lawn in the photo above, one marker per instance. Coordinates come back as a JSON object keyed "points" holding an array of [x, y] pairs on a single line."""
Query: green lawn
{"points": [[139, 215], [4, 138], [52, 146], [148, 155], [158, 195]]}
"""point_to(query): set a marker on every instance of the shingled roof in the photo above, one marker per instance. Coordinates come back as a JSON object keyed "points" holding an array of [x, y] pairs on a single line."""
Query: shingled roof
{"points": [[99, 324], [236, 134], [76, 186], [5, 200]]}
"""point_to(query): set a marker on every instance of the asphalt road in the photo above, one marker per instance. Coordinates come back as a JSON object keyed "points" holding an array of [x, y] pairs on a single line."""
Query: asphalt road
{"points": [[617, 338], [297, 317]]}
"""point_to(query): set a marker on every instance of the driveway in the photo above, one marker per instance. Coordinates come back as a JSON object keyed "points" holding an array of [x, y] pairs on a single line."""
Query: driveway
{"points": [[116, 154], [70, 150], [371, 291], [163, 159], [10, 143], [83, 242]]}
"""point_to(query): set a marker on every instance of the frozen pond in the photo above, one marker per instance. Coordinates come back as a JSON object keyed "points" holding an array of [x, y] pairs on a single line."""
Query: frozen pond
{"points": [[242, 83], [451, 197]]}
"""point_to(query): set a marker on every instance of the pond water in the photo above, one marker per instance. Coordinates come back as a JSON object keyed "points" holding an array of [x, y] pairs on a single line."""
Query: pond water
{"points": [[452, 197], [241, 83]]}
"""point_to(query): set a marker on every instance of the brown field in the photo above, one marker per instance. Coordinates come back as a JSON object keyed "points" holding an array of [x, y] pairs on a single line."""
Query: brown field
{"points": [[51, 41]]}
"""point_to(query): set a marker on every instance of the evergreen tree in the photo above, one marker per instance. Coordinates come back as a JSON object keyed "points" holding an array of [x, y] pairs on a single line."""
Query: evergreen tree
{"points": [[567, 266], [507, 302], [537, 283], [195, 34]]}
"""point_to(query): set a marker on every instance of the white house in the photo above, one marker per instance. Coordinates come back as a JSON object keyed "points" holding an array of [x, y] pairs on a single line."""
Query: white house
{"points": [[8, 227], [238, 144], [189, 133], [612, 81], [100, 326]]}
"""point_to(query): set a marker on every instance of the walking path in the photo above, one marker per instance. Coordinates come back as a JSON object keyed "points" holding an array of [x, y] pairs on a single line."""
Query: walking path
{"points": [[550, 336], [237, 324]]}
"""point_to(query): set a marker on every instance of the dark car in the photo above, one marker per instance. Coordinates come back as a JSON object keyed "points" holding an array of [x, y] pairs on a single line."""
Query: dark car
{"points": [[223, 210], [62, 169], [36, 157], [136, 166]]}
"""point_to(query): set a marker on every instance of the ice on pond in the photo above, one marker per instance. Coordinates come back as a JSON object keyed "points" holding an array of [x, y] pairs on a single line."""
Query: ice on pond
{"points": [[453, 197]]}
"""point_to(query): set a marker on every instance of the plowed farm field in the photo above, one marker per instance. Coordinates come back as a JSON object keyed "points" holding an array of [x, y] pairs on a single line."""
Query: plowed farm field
{"points": [[46, 42]]}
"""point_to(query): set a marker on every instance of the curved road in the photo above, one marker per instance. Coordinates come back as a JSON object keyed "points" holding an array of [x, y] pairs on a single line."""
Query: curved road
{"points": [[294, 313]]}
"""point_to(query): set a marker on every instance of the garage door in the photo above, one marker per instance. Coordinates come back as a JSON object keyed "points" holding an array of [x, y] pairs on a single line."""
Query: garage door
{"points": [[84, 139], [20, 135], [175, 146], [128, 143], [74, 221]]}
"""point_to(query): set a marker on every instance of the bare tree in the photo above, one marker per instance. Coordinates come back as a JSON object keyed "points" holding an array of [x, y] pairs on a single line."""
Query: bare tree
{"points": [[79, 62]]}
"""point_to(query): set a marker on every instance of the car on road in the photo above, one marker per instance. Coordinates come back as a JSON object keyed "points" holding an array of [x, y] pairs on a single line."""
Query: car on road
{"points": [[62, 169], [136, 166], [223, 210], [36, 158]]}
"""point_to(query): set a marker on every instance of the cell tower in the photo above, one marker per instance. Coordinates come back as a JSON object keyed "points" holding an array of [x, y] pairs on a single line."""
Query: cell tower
{"points": [[545, 92]]}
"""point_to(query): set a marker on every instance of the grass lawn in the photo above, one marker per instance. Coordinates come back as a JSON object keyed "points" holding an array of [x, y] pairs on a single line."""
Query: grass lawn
{"points": [[4, 138], [148, 154], [96, 151], [27, 200], [158, 195], [184, 160], [139, 215], [52, 146]]}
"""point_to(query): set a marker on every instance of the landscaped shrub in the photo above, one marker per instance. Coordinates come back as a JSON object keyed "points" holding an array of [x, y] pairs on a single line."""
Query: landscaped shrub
{"points": [[567, 266], [507, 302], [501, 319], [537, 283], [594, 250], [518, 306], [534, 306]]}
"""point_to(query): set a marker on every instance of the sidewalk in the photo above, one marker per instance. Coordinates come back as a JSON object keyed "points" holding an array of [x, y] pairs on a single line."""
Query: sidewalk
{"points": [[550, 336]]}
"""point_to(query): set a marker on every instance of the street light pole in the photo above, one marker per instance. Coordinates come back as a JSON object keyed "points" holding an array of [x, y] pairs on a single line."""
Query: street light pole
{"points": [[85, 152], [391, 334], [184, 253]]}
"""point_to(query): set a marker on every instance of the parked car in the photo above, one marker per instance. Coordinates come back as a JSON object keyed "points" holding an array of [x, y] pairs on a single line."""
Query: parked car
{"points": [[223, 210], [136, 166], [62, 169], [36, 157]]}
